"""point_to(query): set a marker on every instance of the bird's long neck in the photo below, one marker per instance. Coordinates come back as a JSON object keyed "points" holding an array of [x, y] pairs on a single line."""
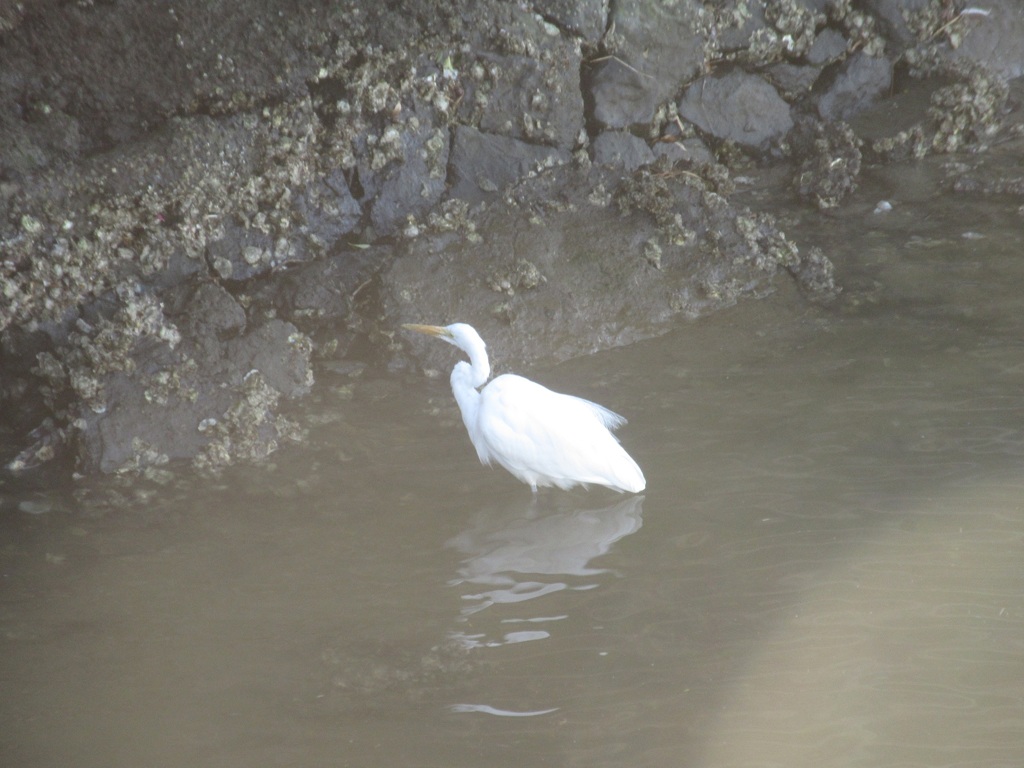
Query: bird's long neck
{"points": [[468, 398], [479, 366], [466, 378]]}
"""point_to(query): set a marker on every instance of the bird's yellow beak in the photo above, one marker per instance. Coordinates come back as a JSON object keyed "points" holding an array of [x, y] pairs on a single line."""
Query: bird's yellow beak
{"points": [[430, 330]]}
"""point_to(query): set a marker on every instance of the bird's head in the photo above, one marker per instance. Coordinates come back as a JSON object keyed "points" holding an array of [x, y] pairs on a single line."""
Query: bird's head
{"points": [[461, 335]]}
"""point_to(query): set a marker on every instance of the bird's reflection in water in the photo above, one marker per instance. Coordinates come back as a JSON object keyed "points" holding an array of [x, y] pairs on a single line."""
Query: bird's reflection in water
{"points": [[523, 553]]}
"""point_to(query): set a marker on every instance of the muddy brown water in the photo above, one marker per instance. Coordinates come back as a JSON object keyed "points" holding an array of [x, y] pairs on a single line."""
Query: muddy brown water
{"points": [[827, 568]]}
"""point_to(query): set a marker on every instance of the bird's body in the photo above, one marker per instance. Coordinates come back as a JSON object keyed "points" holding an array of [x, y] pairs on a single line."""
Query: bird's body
{"points": [[542, 437]]}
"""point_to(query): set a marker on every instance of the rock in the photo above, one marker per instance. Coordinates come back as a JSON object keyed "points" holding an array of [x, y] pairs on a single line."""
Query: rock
{"points": [[993, 173], [320, 293], [794, 25], [249, 431], [240, 254], [828, 46], [792, 80], [211, 57], [135, 433], [737, 107], [816, 275], [995, 39], [892, 16], [326, 299], [692, 151], [619, 149], [669, 243], [531, 85], [961, 104], [210, 314], [621, 95], [902, 112], [860, 81], [830, 159], [11, 15], [180, 269], [194, 185], [164, 235], [328, 209], [735, 37], [586, 18], [153, 410], [484, 164], [20, 353], [537, 102], [275, 349], [413, 182], [652, 49]]}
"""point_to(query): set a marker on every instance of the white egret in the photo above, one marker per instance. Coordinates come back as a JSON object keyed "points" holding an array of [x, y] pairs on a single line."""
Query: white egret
{"points": [[542, 437]]}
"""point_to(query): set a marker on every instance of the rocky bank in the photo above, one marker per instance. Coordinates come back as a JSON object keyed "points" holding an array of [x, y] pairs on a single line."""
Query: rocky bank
{"points": [[202, 203]]}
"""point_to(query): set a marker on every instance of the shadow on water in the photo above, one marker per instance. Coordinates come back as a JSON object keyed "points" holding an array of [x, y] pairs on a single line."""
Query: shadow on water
{"points": [[517, 555]]}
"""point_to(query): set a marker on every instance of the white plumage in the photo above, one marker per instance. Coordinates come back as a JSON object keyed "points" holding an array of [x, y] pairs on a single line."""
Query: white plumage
{"points": [[542, 437]]}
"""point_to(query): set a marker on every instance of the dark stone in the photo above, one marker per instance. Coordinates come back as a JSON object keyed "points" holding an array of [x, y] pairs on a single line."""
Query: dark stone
{"points": [[328, 209], [586, 18], [893, 23], [692, 151], [532, 90], [830, 159], [536, 103], [241, 253], [738, 107], [828, 46], [322, 297], [142, 421], [996, 39], [526, 84], [672, 243], [179, 270], [792, 80], [271, 350], [482, 164], [191, 56], [860, 82], [414, 183], [619, 149], [622, 96], [655, 50], [737, 38], [211, 313]]}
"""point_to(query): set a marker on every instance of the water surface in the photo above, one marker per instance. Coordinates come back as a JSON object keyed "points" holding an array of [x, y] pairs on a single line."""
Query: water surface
{"points": [[827, 568]]}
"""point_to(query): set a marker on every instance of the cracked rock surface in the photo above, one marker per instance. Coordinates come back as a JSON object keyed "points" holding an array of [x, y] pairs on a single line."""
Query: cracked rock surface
{"points": [[203, 201]]}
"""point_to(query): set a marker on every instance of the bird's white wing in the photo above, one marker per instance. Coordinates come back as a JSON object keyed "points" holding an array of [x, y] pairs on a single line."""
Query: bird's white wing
{"points": [[547, 438], [610, 419]]}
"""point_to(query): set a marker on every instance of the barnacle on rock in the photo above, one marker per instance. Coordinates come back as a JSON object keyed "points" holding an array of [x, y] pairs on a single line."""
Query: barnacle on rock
{"points": [[830, 163], [249, 431], [937, 21], [652, 253], [796, 24], [965, 113], [969, 111], [143, 457], [95, 351], [862, 31], [523, 275]]}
